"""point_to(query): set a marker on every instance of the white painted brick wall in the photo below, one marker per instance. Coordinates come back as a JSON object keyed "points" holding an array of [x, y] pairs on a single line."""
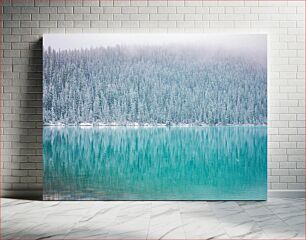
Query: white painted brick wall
{"points": [[24, 22]]}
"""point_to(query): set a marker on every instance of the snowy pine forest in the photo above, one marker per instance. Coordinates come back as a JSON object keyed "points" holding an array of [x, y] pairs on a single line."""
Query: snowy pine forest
{"points": [[153, 85]]}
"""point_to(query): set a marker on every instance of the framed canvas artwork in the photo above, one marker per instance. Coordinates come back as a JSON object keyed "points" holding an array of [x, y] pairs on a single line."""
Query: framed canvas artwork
{"points": [[155, 116]]}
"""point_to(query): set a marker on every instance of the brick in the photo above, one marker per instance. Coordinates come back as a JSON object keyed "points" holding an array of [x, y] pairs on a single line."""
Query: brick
{"points": [[139, 3], [56, 30], [273, 179], [57, 17], [192, 3], [210, 17], [300, 164], [82, 24], [98, 24], [60, 3], [277, 186], [242, 10], [47, 24], [11, 24], [297, 95], [21, 16], [301, 116], [40, 3], [27, 165], [112, 10], [49, 10], [72, 30], [229, 17], [296, 186], [28, 179], [37, 173], [91, 3], [291, 10], [230, 3], [202, 10], [176, 17], [74, 3], [268, 10], [11, 38], [148, 24], [193, 17], [287, 116], [166, 10], [10, 179], [185, 10], [91, 16], [296, 172], [29, 24], [38, 32], [147, 9], [296, 45], [222, 24], [201, 24], [23, 3], [6, 31], [19, 173], [167, 24], [288, 145], [131, 10], [81, 10], [122, 3], [62, 10], [96, 10], [288, 131], [185, 24], [140, 17], [40, 17], [288, 179], [20, 46], [7, 17], [287, 165], [73, 16], [130, 24], [265, 24], [217, 10], [29, 10], [251, 17], [21, 31], [119, 17], [105, 17], [176, 3], [64, 24], [277, 151], [156, 17], [157, 3], [11, 9], [296, 158], [106, 3], [273, 165], [296, 151]]}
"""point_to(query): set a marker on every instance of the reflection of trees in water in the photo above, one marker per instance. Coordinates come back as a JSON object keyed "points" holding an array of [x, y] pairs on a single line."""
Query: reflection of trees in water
{"points": [[155, 160]]}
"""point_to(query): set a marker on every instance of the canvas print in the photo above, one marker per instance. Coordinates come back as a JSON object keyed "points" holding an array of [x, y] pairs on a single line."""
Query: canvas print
{"points": [[155, 116]]}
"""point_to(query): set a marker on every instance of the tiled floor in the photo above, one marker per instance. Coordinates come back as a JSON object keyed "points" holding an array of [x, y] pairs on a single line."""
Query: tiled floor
{"points": [[273, 219]]}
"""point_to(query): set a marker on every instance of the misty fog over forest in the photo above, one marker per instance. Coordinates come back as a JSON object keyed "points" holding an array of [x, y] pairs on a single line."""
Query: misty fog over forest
{"points": [[162, 84]]}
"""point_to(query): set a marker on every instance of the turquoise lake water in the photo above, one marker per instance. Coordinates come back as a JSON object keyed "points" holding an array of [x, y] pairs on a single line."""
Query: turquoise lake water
{"points": [[155, 163]]}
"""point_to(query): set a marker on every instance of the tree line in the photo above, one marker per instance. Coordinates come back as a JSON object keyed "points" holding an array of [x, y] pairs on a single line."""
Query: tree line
{"points": [[154, 85]]}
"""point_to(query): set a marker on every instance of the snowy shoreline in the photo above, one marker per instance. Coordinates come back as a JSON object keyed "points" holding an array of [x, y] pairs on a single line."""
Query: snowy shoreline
{"points": [[147, 125]]}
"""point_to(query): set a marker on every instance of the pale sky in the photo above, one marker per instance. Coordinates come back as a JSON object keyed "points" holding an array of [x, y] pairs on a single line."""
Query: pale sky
{"points": [[256, 42]]}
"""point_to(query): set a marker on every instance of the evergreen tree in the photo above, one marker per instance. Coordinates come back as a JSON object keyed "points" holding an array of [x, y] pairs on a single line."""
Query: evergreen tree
{"points": [[153, 84]]}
